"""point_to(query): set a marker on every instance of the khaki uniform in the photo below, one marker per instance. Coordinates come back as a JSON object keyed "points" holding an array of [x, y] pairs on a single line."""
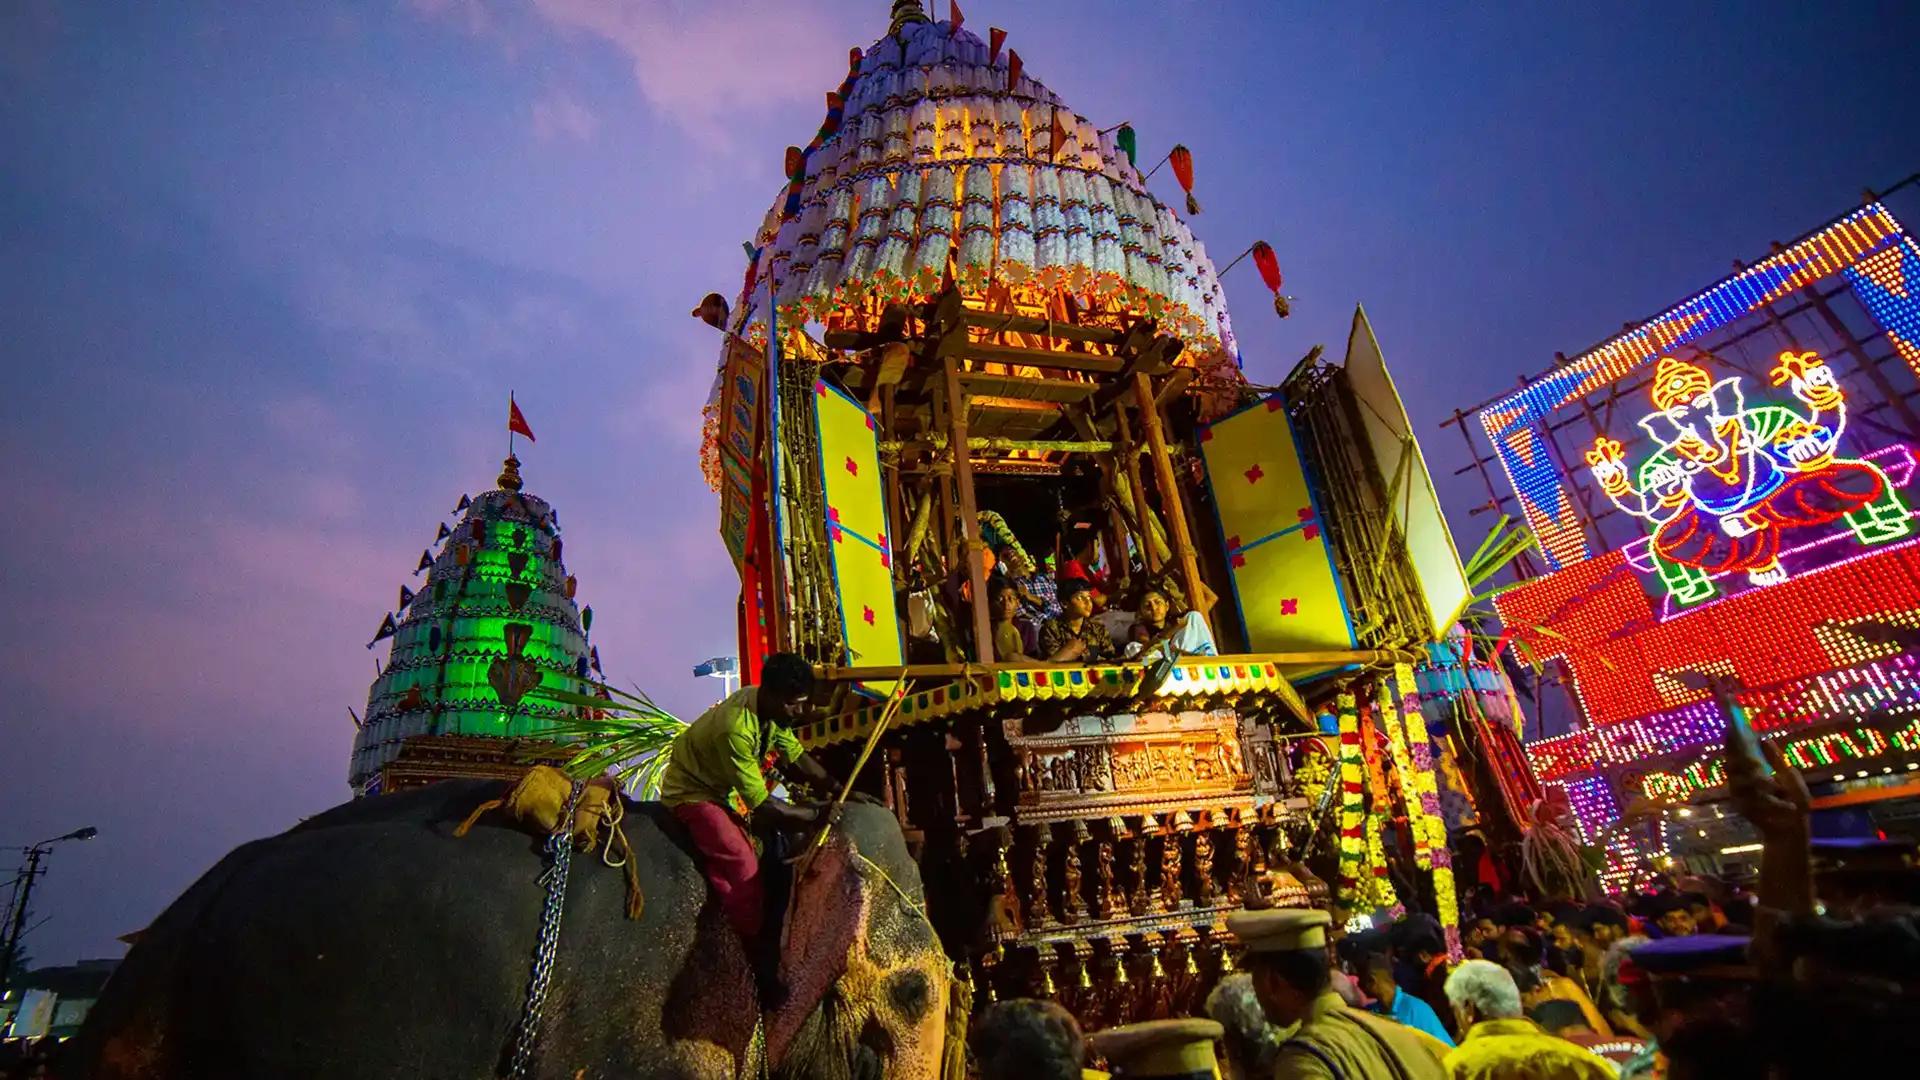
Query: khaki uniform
{"points": [[1340, 1043]]}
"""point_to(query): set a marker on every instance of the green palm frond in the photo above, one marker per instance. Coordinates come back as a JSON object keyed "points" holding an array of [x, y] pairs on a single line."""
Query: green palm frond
{"points": [[1504, 543], [624, 734]]}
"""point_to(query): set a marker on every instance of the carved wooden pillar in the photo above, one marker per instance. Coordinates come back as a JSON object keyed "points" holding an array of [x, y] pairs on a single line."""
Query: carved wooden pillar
{"points": [[1203, 890], [1104, 904], [1170, 893], [1139, 897], [1039, 912], [1241, 885], [1005, 922], [1073, 905]]}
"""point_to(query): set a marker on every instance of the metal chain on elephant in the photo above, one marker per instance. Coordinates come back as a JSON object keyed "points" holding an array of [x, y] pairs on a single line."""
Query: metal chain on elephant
{"points": [[526, 1037]]}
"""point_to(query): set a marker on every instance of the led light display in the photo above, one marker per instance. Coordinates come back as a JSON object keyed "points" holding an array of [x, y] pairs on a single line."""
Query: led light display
{"points": [[1889, 687], [1623, 647], [1737, 484], [1514, 424], [1888, 285]]}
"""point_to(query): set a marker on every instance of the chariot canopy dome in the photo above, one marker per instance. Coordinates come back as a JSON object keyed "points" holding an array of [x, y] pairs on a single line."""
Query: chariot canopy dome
{"points": [[940, 160]]}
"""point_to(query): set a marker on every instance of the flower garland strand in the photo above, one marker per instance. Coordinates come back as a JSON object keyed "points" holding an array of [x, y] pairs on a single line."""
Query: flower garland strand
{"points": [[1404, 774], [1427, 815], [1384, 898], [1352, 784]]}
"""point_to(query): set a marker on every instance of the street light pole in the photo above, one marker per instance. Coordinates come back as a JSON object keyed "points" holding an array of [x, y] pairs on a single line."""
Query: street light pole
{"points": [[23, 892]]}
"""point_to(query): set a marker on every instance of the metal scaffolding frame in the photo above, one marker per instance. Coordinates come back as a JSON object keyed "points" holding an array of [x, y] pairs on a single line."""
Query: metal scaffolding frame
{"points": [[1826, 317]]}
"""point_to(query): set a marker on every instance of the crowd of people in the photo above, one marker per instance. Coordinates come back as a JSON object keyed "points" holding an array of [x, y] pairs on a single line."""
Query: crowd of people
{"points": [[1813, 971], [1074, 609]]}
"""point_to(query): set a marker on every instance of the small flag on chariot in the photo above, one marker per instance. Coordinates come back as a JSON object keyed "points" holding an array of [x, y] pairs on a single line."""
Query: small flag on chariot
{"points": [[388, 628], [406, 596], [426, 562], [443, 533]]}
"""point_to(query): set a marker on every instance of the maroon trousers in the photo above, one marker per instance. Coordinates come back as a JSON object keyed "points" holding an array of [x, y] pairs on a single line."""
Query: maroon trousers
{"points": [[729, 862]]}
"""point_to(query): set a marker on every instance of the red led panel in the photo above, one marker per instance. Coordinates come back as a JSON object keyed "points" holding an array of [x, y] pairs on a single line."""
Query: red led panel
{"points": [[1598, 618]]}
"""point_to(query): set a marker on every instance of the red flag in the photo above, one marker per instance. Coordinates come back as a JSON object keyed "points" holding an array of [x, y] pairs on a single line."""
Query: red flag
{"points": [[517, 423], [1014, 67], [1059, 136], [954, 17], [996, 37]]}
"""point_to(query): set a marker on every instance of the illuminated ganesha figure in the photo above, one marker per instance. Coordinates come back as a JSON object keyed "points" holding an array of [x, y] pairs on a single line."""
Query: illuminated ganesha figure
{"points": [[1730, 479]]}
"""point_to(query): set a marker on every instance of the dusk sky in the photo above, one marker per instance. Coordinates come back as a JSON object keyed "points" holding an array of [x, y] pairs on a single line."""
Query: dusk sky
{"points": [[268, 271]]}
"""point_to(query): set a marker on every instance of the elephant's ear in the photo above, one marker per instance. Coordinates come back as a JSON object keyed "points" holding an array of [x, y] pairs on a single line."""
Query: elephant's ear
{"points": [[824, 922]]}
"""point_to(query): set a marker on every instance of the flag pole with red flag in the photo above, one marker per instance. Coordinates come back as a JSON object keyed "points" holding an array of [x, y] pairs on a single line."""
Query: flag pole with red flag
{"points": [[516, 423]]}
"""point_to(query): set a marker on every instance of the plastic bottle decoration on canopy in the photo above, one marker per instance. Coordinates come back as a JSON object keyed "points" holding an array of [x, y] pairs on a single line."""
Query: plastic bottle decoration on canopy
{"points": [[939, 157]]}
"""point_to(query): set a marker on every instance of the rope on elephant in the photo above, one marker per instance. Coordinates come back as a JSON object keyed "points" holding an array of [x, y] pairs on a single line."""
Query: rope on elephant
{"points": [[918, 907]]}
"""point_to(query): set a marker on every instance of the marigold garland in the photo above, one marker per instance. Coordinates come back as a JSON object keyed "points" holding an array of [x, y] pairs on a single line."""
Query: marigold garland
{"points": [[1381, 892], [1408, 779], [1427, 815], [1353, 843]]}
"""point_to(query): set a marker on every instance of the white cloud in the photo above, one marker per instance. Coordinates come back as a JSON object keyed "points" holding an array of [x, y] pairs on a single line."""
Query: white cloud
{"points": [[696, 63]]}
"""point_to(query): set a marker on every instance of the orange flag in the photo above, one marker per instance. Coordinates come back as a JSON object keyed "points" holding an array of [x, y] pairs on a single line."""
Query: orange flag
{"points": [[1014, 67], [517, 423], [954, 17]]}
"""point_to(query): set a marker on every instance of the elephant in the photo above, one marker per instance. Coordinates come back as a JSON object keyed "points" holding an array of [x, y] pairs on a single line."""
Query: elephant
{"points": [[369, 942]]}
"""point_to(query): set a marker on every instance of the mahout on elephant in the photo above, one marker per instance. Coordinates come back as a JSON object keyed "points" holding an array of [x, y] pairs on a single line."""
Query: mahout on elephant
{"points": [[369, 942]]}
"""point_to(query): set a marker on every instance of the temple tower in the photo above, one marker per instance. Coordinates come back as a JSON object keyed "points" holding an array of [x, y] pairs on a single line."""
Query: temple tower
{"points": [[494, 618]]}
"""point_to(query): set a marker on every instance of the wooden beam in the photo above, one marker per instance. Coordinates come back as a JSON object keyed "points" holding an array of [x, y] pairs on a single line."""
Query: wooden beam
{"points": [[1175, 385], [1008, 323], [1136, 491], [1027, 389], [969, 510], [1014, 356], [1181, 538]]}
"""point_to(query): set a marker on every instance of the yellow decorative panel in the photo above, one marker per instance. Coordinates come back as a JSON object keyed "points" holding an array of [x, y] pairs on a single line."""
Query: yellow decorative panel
{"points": [[856, 529], [1284, 581], [850, 465]]}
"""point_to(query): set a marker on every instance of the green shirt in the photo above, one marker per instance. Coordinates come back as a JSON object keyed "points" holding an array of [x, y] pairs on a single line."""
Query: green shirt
{"points": [[724, 752]]}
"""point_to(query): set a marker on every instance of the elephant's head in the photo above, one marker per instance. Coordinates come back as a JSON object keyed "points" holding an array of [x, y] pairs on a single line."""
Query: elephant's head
{"points": [[868, 977]]}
